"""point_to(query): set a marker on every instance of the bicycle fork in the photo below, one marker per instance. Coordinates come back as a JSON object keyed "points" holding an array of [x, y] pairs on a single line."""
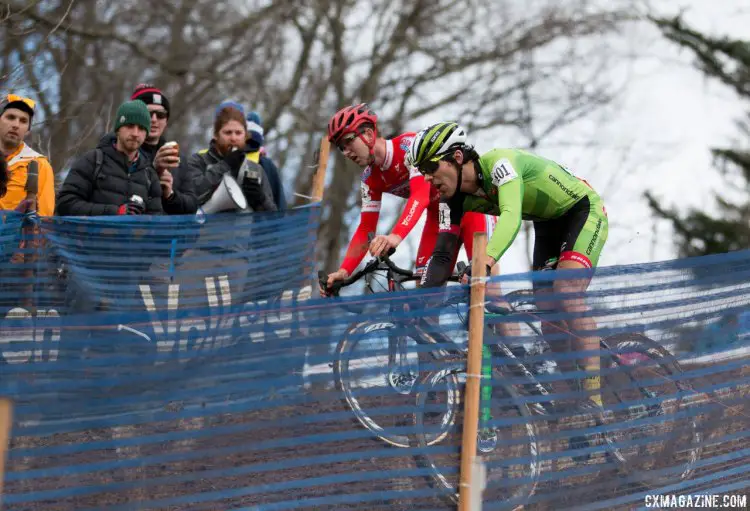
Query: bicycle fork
{"points": [[400, 376]]}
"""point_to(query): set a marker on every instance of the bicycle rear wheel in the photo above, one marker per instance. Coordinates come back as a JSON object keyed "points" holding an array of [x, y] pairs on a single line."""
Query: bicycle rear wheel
{"points": [[378, 391], [656, 436], [513, 466]]}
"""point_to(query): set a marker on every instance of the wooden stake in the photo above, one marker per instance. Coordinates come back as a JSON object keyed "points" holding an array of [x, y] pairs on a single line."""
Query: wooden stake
{"points": [[6, 422], [473, 370], [319, 179]]}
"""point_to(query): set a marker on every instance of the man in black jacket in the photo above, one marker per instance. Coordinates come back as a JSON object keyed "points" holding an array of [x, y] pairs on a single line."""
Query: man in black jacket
{"points": [[227, 154], [177, 185], [114, 179]]}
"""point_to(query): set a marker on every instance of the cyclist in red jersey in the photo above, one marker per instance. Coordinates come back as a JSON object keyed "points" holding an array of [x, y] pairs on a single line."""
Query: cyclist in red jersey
{"points": [[354, 130]]}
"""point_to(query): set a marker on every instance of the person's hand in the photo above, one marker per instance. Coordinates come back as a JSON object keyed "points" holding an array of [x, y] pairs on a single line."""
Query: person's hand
{"points": [[465, 276], [166, 158], [166, 180], [234, 160], [333, 277], [131, 208], [253, 192], [381, 245]]}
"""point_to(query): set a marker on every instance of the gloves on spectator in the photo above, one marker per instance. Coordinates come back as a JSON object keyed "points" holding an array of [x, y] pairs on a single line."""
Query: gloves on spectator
{"points": [[131, 208], [254, 194], [234, 160]]}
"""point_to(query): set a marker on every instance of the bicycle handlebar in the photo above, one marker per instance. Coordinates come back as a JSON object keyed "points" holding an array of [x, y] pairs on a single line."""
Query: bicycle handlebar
{"points": [[377, 264], [373, 265]]}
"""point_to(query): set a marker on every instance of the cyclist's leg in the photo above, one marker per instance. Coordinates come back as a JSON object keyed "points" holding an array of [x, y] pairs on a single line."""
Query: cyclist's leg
{"points": [[479, 222], [584, 241], [429, 238], [472, 223], [548, 239]]}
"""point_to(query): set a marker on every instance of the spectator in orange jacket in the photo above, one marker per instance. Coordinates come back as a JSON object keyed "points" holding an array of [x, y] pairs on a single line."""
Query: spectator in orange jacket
{"points": [[16, 113]]}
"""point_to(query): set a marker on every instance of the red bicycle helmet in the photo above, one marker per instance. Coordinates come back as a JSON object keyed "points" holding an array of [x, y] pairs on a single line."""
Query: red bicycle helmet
{"points": [[349, 120]]}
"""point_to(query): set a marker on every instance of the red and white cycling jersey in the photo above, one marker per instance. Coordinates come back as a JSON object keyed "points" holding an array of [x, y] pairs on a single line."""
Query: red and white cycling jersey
{"points": [[393, 177]]}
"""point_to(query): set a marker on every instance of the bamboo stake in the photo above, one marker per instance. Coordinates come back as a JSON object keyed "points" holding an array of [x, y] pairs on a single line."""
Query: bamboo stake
{"points": [[6, 422], [473, 371]]}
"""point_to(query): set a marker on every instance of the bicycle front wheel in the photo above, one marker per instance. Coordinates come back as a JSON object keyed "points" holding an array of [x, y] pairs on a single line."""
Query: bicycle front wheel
{"points": [[654, 433], [376, 368], [511, 457]]}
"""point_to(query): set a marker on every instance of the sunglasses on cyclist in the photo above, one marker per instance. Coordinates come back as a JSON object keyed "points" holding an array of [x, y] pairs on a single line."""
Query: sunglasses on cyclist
{"points": [[430, 166], [345, 140], [160, 114]]}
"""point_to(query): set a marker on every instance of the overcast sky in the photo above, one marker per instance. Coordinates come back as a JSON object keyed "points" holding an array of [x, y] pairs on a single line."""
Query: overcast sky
{"points": [[655, 137]]}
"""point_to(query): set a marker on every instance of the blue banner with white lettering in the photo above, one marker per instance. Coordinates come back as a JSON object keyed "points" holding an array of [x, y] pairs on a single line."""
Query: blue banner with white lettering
{"points": [[167, 284]]}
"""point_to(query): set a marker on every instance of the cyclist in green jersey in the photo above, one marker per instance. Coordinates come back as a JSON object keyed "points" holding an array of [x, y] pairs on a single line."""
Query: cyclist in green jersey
{"points": [[570, 222]]}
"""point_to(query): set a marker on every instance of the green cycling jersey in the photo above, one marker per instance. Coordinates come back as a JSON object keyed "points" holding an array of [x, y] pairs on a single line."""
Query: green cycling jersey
{"points": [[516, 185]]}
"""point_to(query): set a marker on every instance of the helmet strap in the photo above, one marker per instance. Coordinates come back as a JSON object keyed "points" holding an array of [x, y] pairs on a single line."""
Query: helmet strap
{"points": [[370, 145], [460, 177]]}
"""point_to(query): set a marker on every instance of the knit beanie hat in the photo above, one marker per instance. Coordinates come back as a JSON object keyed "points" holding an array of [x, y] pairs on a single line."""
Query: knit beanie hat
{"points": [[228, 103], [254, 130], [19, 102], [133, 112], [150, 95]]}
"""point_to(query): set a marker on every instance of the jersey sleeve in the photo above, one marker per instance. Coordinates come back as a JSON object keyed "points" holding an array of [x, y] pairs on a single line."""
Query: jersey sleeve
{"points": [[419, 198], [371, 198], [510, 201], [368, 222]]}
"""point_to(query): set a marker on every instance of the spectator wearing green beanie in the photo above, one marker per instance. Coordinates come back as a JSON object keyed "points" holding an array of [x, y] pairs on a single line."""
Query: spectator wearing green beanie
{"points": [[113, 179]]}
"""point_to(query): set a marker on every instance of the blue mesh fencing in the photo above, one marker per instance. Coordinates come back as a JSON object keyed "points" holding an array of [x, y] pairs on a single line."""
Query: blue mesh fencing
{"points": [[169, 364]]}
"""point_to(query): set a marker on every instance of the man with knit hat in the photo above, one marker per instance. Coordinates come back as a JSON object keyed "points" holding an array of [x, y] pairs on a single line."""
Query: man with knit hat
{"points": [[114, 178], [256, 153], [16, 114], [178, 191]]}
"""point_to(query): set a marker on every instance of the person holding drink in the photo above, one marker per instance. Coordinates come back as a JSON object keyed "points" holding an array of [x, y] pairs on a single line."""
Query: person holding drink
{"points": [[177, 183]]}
